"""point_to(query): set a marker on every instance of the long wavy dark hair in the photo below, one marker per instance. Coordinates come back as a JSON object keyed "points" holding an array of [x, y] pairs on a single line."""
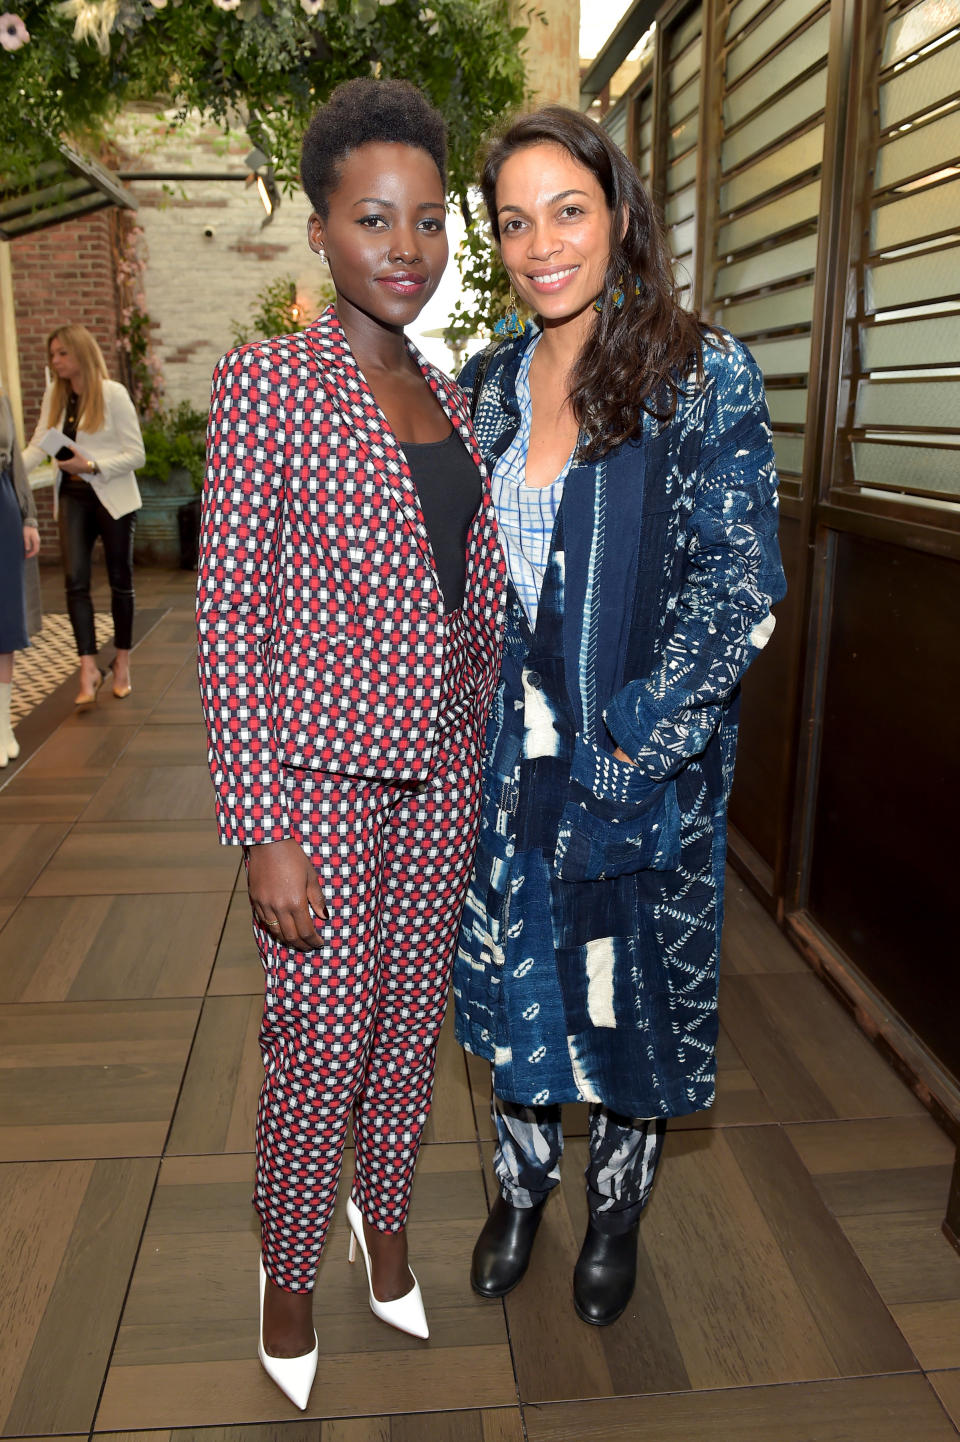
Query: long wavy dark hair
{"points": [[639, 353]]}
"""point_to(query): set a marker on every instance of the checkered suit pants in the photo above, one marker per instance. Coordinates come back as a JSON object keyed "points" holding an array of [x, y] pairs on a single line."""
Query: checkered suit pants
{"points": [[350, 1030]]}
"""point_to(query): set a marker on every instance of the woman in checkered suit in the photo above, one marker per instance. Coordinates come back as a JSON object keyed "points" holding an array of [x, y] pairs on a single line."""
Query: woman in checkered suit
{"points": [[350, 598]]}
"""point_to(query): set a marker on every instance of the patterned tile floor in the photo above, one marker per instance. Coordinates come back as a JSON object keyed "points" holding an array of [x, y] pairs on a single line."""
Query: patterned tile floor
{"points": [[50, 659]]}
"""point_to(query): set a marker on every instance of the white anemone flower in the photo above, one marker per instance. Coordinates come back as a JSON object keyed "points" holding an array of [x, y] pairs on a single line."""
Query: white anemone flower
{"points": [[13, 32]]}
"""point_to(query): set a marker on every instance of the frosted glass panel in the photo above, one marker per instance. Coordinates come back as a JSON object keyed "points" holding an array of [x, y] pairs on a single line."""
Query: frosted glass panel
{"points": [[923, 404], [681, 70], [778, 72], [789, 453], [911, 31], [909, 468], [919, 151], [645, 137], [769, 266], [681, 205], [683, 172], [774, 170], [781, 214], [921, 86], [770, 312], [784, 115], [787, 407], [783, 357], [925, 212], [683, 136], [682, 274], [681, 237], [615, 124], [741, 14], [913, 342], [685, 101], [680, 37], [776, 27], [931, 276]]}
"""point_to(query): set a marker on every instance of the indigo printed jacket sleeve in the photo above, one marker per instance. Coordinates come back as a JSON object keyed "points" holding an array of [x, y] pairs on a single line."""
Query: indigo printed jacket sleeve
{"points": [[731, 576], [238, 586]]}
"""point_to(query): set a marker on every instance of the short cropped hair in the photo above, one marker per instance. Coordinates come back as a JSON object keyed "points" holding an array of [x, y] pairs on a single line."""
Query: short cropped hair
{"points": [[364, 110]]}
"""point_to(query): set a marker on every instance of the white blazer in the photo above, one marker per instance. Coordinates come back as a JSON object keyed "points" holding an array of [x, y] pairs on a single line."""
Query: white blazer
{"points": [[117, 448]]}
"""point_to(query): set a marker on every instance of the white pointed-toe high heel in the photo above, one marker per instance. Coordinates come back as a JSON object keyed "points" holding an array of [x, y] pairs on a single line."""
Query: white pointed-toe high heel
{"points": [[293, 1375], [405, 1313]]}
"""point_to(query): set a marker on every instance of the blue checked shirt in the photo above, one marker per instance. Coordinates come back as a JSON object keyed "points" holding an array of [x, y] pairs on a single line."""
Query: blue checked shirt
{"points": [[525, 514]]}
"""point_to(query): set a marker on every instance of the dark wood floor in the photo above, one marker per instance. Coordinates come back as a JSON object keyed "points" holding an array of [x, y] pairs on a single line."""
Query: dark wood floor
{"points": [[794, 1284]]}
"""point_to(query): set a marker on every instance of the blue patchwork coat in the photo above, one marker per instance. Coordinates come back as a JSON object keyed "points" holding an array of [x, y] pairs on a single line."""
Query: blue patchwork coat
{"points": [[588, 956]]}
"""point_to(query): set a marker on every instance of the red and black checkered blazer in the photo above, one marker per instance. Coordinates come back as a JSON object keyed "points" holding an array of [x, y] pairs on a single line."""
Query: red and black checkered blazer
{"points": [[318, 610]]}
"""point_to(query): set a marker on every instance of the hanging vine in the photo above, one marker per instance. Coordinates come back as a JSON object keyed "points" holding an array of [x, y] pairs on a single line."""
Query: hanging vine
{"points": [[68, 66]]}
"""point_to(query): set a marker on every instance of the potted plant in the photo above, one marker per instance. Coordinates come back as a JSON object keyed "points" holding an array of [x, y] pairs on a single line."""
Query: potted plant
{"points": [[170, 481]]}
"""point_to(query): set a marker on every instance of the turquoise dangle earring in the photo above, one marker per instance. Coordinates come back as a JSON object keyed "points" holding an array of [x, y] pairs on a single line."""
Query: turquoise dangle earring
{"points": [[509, 326], [617, 295]]}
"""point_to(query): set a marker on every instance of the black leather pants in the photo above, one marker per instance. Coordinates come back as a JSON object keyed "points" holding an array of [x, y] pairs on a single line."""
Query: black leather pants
{"points": [[82, 519]]}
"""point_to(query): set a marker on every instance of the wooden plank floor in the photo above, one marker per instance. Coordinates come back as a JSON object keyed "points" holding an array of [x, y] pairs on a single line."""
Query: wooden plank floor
{"points": [[793, 1282]]}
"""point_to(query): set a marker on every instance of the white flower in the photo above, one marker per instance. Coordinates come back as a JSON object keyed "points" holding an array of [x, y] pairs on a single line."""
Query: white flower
{"points": [[227, 4], [13, 32], [428, 17], [312, 7], [159, 4]]}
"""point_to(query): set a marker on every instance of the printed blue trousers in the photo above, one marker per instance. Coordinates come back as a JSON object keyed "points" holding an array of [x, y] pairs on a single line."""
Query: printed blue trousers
{"points": [[624, 1152]]}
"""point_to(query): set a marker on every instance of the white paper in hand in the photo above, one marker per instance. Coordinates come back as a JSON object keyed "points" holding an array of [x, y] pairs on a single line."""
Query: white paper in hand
{"points": [[54, 440]]}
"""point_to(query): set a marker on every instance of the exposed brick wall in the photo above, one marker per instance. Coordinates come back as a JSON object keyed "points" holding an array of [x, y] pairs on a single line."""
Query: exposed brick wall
{"points": [[62, 275]]}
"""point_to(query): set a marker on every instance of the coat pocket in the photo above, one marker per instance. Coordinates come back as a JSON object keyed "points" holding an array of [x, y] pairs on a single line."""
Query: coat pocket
{"points": [[616, 820]]}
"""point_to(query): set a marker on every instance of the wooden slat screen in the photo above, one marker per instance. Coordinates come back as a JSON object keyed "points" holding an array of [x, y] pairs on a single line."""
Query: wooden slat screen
{"points": [[642, 154], [681, 107], [615, 122], [902, 436], [767, 199]]}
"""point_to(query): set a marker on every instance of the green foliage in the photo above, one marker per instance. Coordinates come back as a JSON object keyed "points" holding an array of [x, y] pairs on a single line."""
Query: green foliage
{"points": [[275, 311], [141, 372], [174, 440], [269, 60], [486, 289]]}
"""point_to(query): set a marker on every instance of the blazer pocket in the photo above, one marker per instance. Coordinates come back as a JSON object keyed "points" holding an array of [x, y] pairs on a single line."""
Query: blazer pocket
{"points": [[616, 820]]}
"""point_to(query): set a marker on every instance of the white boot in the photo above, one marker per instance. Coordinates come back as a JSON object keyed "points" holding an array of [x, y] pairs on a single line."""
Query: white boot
{"points": [[9, 745]]}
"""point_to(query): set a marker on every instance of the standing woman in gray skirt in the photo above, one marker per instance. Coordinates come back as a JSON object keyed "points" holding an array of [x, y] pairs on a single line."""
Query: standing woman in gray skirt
{"points": [[19, 542]]}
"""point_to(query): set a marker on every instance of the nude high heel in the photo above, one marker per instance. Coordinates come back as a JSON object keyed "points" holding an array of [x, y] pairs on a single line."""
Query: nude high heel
{"points": [[121, 692], [405, 1313], [87, 698], [293, 1375]]}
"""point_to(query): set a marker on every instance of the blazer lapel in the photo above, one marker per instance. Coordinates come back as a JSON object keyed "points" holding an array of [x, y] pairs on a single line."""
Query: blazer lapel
{"points": [[358, 411]]}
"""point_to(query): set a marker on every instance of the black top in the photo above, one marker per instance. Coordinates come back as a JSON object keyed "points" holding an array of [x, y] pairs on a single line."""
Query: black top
{"points": [[69, 428], [448, 484]]}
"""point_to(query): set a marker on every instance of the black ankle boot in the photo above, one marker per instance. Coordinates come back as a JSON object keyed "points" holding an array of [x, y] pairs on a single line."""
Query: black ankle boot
{"points": [[503, 1248], [605, 1275]]}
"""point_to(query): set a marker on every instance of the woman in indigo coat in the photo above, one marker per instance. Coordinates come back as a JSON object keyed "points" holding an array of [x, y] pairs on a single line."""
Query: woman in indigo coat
{"points": [[635, 491]]}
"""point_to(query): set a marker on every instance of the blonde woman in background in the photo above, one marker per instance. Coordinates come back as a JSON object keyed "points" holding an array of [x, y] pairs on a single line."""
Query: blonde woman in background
{"points": [[19, 541], [96, 493]]}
